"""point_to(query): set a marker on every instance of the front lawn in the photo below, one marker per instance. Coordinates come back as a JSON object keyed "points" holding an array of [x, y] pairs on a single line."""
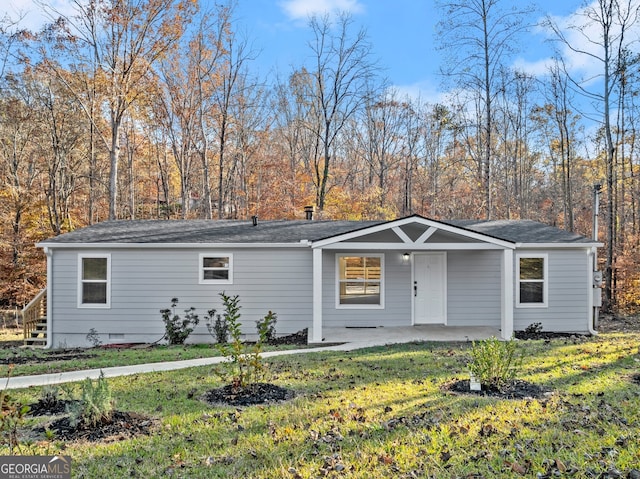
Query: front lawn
{"points": [[29, 361], [382, 412]]}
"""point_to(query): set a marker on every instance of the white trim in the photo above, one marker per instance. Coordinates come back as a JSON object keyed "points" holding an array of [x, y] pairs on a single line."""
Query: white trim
{"points": [[316, 332], [338, 279], [81, 281], [49, 255], [413, 220], [202, 246], [558, 245], [506, 316], [545, 280], [426, 235], [215, 254], [402, 235], [591, 311], [413, 246]]}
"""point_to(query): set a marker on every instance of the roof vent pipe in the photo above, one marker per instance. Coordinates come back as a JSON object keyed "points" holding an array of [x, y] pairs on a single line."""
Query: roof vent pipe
{"points": [[308, 212], [254, 219]]}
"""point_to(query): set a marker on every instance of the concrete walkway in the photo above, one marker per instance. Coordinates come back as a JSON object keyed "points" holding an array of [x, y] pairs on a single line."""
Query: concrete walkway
{"points": [[352, 338]]}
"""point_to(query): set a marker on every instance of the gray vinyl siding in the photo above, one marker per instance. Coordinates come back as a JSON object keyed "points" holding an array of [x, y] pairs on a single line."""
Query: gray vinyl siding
{"points": [[474, 287], [397, 291], [143, 281], [568, 289]]}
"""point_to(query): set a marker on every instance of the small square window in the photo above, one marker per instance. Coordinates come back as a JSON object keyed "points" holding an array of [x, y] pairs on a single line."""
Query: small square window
{"points": [[216, 268]]}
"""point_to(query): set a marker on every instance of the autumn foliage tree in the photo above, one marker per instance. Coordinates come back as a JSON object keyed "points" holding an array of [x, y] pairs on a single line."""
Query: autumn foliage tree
{"points": [[138, 109]]}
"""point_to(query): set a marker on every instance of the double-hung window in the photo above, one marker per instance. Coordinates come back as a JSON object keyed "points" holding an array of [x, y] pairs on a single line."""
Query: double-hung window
{"points": [[216, 268], [532, 281], [360, 281], [94, 285]]}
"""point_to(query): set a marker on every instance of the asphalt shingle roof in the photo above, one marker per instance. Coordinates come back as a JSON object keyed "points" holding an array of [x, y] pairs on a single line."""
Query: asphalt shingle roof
{"points": [[520, 231], [287, 231], [208, 231]]}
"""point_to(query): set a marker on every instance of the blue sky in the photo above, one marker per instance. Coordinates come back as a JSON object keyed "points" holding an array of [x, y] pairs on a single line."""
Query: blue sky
{"points": [[402, 33]]}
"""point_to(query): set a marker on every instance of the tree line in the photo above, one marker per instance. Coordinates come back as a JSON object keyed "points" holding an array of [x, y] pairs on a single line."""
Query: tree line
{"points": [[132, 109]]}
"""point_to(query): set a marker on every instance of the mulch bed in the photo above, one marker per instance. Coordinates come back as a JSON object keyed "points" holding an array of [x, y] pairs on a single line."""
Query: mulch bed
{"points": [[258, 393], [524, 335], [122, 425], [50, 407], [296, 338], [516, 389]]}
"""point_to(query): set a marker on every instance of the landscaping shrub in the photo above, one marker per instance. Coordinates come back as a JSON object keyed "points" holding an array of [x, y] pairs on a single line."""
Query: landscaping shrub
{"points": [[95, 405], [494, 363], [533, 328], [244, 365], [217, 326], [177, 330], [267, 327]]}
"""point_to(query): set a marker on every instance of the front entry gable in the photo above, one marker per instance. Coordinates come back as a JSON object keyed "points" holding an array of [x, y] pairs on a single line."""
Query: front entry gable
{"points": [[413, 232]]}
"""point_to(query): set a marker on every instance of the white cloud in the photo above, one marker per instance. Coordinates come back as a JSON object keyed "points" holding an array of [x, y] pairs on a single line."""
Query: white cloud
{"points": [[536, 68], [422, 92], [32, 16], [303, 9], [584, 46]]}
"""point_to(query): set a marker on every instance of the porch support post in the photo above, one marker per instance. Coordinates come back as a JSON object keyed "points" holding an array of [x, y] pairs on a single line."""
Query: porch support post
{"points": [[316, 330], [506, 323]]}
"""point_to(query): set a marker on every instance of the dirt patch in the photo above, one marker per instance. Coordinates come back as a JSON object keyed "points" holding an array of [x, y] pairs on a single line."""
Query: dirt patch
{"points": [[258, 393], [611, 323], [48, 356], [516, 389], [121, 425], [608, 323]]}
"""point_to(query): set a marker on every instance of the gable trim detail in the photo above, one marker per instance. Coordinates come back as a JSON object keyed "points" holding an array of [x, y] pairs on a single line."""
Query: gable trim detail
{"points": [[396, 226]]}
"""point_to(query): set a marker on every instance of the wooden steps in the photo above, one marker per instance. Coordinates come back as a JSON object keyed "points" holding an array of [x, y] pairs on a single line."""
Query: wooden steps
{"points": [[38, 336]]}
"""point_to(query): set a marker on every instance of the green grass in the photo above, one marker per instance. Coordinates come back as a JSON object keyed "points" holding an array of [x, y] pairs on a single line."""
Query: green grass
{"points": [[382, 413], [29, 361]]}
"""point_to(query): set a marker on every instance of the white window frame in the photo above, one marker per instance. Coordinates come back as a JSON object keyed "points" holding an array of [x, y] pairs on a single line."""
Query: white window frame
{"points": [[544, 280], [202, 269], [338, 280], [81, 280]]}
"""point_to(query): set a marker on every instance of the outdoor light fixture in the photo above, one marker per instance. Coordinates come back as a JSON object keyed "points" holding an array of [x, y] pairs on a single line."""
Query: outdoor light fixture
{"points": [[405, 258]]}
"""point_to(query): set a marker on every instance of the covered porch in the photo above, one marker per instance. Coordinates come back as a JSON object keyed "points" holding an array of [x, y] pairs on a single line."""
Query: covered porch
{"points": [[430, 281]]}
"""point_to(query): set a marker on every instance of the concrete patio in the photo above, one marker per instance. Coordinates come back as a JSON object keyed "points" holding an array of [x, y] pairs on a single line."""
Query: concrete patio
{"points": [[378, 336]]}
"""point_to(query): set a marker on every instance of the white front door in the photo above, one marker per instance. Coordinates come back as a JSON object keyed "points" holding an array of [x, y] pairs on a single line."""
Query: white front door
{"points": [[430, 288]]}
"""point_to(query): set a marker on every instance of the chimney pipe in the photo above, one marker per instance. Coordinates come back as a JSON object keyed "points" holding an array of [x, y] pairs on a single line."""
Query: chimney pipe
{"points": [[308, 212], [254, 219]]}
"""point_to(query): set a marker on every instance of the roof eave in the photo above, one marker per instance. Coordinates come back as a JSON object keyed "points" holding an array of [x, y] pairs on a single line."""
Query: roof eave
{"points": [[563, 245], [300, 244], [413, 219]]}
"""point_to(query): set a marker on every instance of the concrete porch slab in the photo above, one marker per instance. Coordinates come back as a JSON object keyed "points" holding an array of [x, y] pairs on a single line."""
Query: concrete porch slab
{"points": [[379, 336]]}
